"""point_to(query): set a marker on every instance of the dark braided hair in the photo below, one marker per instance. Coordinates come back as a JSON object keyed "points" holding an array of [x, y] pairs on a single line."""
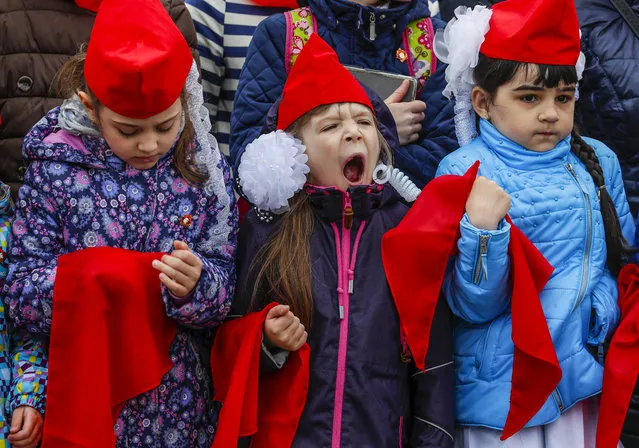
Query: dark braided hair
{"points": [[490, 74]]}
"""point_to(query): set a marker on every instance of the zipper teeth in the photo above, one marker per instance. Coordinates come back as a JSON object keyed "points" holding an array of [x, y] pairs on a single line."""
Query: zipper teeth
{"points": [[584, 280], [483, 250], [557, 397]]}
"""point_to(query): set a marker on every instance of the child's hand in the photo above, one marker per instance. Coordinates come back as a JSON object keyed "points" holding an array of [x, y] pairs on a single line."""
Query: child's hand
{"points": [[487, 204], [284, 330], [26, 427], [408, 116], [181, 270]]}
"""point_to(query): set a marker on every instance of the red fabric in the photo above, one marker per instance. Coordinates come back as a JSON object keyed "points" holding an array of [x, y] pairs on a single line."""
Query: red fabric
{"points": [[266, 406], [291, 4], [243, 208], [538, 32], [137, 60], [91, 5], [622, 362], [317, 78], [415, 256], [110, 340]]}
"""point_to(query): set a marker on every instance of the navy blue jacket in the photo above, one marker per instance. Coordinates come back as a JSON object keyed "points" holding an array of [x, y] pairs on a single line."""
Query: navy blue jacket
{"points": [[609, 103], [384, 400], [264, 75]]}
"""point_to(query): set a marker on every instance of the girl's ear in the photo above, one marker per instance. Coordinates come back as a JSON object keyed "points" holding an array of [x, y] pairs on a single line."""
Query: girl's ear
{"points": [[86, 101], [481, 102]]}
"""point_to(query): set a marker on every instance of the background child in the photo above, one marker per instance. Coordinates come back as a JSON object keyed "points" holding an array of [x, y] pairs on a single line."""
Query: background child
{"points": [[129, 163], [563, 191], [322, 260], [392, 36], [23, 365]]}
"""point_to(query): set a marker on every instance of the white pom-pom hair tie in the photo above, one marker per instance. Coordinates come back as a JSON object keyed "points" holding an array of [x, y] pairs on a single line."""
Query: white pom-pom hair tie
{"points": [[272, 169]]}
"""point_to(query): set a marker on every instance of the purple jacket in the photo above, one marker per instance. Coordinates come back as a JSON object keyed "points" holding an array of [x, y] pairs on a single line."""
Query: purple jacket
{"points": [[77, 194], [384, 401]]}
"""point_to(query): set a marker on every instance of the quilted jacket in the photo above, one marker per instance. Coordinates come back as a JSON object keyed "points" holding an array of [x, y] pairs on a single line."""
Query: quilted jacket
{"points": [[609, 103], [37, 37], [345, 25], [554, 202]]}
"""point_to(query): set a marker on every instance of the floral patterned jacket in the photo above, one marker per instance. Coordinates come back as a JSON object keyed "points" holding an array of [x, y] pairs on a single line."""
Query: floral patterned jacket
{"points": [[23, 364], [78, 194]]}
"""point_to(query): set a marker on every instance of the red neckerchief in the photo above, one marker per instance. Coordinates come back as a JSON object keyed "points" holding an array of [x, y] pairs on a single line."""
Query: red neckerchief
{"points": [[268, 406], [91, 5], [110, 341], [622, 362], [416, 254]]}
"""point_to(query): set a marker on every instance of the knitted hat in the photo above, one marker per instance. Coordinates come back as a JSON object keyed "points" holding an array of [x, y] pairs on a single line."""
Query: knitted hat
{"points": [[538, 32], [137, 61], [316, 79]]}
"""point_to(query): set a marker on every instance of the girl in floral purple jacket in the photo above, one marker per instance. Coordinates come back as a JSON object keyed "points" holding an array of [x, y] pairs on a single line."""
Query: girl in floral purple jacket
{"points": [[128, 162]]}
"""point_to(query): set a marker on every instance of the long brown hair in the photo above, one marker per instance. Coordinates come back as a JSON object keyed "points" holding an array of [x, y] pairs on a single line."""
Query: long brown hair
{"points": [[283, 264], [490, 74], [70, 80]]}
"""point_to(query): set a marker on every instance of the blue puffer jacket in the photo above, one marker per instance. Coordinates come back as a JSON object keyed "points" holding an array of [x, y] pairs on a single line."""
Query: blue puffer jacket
{"points": [[609, 103], [554, 202], [264, 75]]}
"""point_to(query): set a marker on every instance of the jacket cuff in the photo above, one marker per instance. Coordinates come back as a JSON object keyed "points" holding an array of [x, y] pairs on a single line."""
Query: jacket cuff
{"points": [[273, 358], [35, 401]]}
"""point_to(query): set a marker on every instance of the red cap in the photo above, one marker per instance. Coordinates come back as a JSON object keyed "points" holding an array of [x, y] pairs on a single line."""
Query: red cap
{"points": [[317, 78], [137, 61], [534, 31]]}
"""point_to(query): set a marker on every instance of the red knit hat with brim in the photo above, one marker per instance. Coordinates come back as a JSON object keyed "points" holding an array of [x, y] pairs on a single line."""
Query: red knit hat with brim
{"points": [[316, 79], [137, 61], [534, 31]]}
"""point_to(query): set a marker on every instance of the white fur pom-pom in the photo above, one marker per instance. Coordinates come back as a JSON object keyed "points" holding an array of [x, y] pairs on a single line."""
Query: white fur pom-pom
{"points": [[273, 168], [458, 46]]}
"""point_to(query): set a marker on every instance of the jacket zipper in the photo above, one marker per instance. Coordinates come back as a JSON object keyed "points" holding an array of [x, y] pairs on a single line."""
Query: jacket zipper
{"points": [[557, 398], [373, 34], [584, 280], [345, 287], [481, 265]]}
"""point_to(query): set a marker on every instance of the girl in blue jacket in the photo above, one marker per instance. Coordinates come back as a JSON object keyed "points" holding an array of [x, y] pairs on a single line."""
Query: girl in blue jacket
{"points": [[563, 191]]}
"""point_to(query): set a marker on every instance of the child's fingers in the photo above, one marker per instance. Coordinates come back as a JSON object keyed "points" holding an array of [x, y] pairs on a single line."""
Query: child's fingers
{"points": [[16, 420], [176, 288], [301, 341], [187, 257], [171, 271], [29, 433], [181, 245], [278, 311]]}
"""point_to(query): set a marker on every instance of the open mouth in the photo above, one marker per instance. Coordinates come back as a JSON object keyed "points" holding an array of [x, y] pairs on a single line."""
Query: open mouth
{"points": [[354, 169]]}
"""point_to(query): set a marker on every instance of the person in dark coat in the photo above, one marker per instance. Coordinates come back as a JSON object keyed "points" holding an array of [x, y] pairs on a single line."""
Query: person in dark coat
{"points": [[363, 35], [321, 259], [38, 38], [608, 106]]}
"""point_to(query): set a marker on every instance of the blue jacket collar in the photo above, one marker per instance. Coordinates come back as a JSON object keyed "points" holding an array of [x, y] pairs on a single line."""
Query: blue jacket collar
{"points": [[516, 156]]}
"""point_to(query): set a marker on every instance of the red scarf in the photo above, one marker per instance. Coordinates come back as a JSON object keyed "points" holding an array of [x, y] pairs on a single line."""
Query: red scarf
{"points": [[622, 362], [91, 5], [110, 340], [416, 254], [266, 406]]}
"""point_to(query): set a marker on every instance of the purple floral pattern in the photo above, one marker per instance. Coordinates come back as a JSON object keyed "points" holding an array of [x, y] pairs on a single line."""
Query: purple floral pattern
{"points": [[72, 200]]}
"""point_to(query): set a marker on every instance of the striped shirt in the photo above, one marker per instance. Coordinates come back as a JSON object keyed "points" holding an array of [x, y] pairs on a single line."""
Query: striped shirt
{"points": [[224, 31]]}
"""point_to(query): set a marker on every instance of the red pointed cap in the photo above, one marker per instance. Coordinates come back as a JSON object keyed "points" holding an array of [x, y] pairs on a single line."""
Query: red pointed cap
{"points": [[316, 79], [137, 61], [534, 31]]}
